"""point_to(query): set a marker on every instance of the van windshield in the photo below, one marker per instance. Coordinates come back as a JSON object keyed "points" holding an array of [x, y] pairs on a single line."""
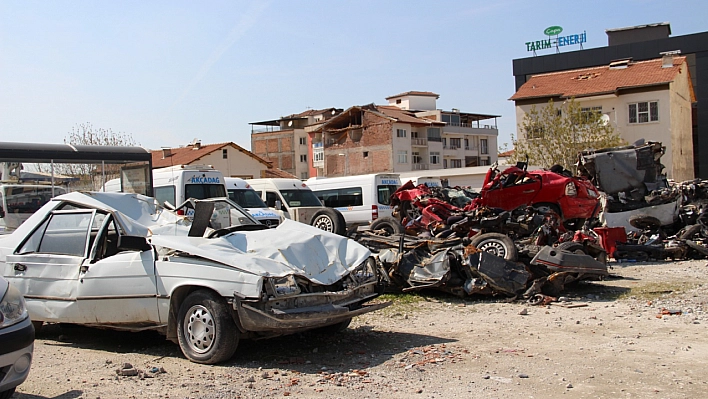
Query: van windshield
{"points": [[204, 191], [296, 198], [18, 203], [384, 193], [246, 198]]}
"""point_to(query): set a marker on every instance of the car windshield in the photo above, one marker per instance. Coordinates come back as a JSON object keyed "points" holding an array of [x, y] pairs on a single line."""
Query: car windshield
{"points": [[226, 213], [247, 198], [202, 191], [296, 198]]}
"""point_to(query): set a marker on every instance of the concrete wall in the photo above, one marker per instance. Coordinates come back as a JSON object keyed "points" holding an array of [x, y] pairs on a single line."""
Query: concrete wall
{"points": [[371, 154], [681, 127]]}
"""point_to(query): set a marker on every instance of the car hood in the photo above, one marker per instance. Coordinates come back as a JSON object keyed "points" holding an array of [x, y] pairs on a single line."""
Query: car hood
{"points": [[291, 248]]}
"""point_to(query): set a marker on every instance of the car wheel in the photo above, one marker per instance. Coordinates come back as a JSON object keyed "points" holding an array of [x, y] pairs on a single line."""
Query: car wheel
{"points": [[691, 232], [644, 222], [496, 244], [7, 394], [206, 332], [408, 210], [331, 220], [387, 224]]}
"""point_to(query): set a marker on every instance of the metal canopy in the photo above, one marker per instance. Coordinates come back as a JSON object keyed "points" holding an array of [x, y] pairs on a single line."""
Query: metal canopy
{"points": [[67, 153]]}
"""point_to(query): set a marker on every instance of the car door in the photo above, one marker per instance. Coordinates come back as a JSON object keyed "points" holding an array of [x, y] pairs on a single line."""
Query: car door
{"points": [[116, 285], [512, 190], [46, 265]]}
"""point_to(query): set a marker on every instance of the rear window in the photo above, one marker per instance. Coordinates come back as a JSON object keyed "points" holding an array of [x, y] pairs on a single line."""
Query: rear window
{"points": [[166, 193], [246, 198], [384, 193], [204, 191]]}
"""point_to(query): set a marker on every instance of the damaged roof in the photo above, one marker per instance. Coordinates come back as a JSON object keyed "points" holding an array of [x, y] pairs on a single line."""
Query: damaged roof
{"points": [[602, 80], [192, 153], [390, 112]]}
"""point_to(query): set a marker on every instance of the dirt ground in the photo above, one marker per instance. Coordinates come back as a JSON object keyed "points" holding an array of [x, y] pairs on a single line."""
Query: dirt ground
{"points": [[610, 340]]}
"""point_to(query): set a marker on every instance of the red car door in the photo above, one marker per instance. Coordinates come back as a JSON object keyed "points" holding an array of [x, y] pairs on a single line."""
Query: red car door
{"points": [[511, 189]]}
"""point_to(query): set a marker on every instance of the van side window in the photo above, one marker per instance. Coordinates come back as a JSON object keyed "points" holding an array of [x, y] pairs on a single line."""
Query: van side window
{"points": [[271, 197], [166, 193], [341, 197]]}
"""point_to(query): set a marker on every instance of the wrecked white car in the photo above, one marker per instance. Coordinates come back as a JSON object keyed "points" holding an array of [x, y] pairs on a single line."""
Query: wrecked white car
{"points": [[120, 261]]}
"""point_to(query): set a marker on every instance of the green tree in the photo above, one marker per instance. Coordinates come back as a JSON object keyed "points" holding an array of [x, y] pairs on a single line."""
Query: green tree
{"points": [[556, 134], [91, 175]]}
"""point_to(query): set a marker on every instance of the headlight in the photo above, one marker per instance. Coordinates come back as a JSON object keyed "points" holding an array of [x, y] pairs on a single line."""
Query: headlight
{"points": [[12, 307], [570, 190], [285, 285], [365, 272]]}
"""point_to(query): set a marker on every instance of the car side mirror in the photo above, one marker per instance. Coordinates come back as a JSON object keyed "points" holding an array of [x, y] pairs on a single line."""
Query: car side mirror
{"points": [[133, 243], [278, 205]]}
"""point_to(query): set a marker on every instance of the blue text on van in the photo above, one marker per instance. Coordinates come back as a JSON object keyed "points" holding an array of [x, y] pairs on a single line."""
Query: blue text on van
{"points": [[204, 180]]}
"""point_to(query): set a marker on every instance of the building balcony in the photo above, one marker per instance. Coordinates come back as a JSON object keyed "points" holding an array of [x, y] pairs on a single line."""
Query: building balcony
{"points": [[420, 166], [462, 128], [418, 142]]}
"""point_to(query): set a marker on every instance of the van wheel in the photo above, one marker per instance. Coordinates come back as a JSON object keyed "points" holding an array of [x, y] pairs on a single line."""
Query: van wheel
{"points": [[331, 220], [388, 224]]}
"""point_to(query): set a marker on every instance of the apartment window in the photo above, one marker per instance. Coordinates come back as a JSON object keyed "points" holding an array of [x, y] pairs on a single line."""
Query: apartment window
{"points": [[467, 144], [444, 141], [303, 158], [400, 132], [453, 120], [416, 158], [303, 140], [588, 113], [402, 156], [318, 156], [644, 112], [398, 101], [304, 175], [434, 157], [455, 163], [535, 132], [455, 143], [224, 153], [483, 146], [366, 154], [444, 163], [483, 162], [434, 134]]}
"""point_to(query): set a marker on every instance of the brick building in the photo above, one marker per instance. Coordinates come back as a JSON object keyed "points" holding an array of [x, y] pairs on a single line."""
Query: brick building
{"points": [[408, 134]]}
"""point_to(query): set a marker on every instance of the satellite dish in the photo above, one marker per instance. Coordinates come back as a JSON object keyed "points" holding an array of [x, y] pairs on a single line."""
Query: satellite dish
{"points": [[605, 119]]}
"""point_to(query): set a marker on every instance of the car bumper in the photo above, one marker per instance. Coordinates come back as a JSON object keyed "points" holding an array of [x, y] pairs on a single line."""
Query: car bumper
{"points": [[322, 310], [16, 354]]}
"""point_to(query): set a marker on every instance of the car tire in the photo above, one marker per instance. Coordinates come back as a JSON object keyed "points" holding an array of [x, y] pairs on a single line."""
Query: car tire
{"points": [[7, 394], [329, 219], [388, 224], [644, 222], [408, 210], [206, 331], [496, 244]]}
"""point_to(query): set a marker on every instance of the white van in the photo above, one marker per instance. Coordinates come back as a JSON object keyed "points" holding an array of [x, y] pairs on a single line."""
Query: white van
{"points": [[19, 201], [361, 199], [295, 199], [244, 195]]}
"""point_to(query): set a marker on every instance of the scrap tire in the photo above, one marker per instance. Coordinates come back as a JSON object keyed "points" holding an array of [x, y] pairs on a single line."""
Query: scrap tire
{"points": [[572, 246], [644, 222], [389, 224], [7, 394], [329, 219], [408, 210], [206, 331], [496, 244]]}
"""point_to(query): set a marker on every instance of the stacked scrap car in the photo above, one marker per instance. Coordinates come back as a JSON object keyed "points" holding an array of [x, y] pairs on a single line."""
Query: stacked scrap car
{"points": [[120, 261]]}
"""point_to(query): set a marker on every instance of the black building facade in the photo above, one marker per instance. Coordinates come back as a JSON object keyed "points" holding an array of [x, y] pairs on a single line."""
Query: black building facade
{"points": [[694, 47]]}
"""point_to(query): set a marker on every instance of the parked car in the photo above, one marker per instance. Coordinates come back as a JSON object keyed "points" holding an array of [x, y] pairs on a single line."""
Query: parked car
{"points": [[16, 339], [575, 199], [119, 260]]}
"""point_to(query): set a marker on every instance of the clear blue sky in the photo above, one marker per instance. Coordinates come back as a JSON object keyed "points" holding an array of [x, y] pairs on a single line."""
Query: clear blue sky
{"points": [[170, 71]]}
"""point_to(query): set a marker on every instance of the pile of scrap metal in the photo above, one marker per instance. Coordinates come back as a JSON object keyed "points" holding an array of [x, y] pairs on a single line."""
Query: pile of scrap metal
{"points": [[457, 266]]}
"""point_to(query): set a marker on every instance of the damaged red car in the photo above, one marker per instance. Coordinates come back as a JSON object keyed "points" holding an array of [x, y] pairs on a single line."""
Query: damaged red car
{"points": [[575, 199]]}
